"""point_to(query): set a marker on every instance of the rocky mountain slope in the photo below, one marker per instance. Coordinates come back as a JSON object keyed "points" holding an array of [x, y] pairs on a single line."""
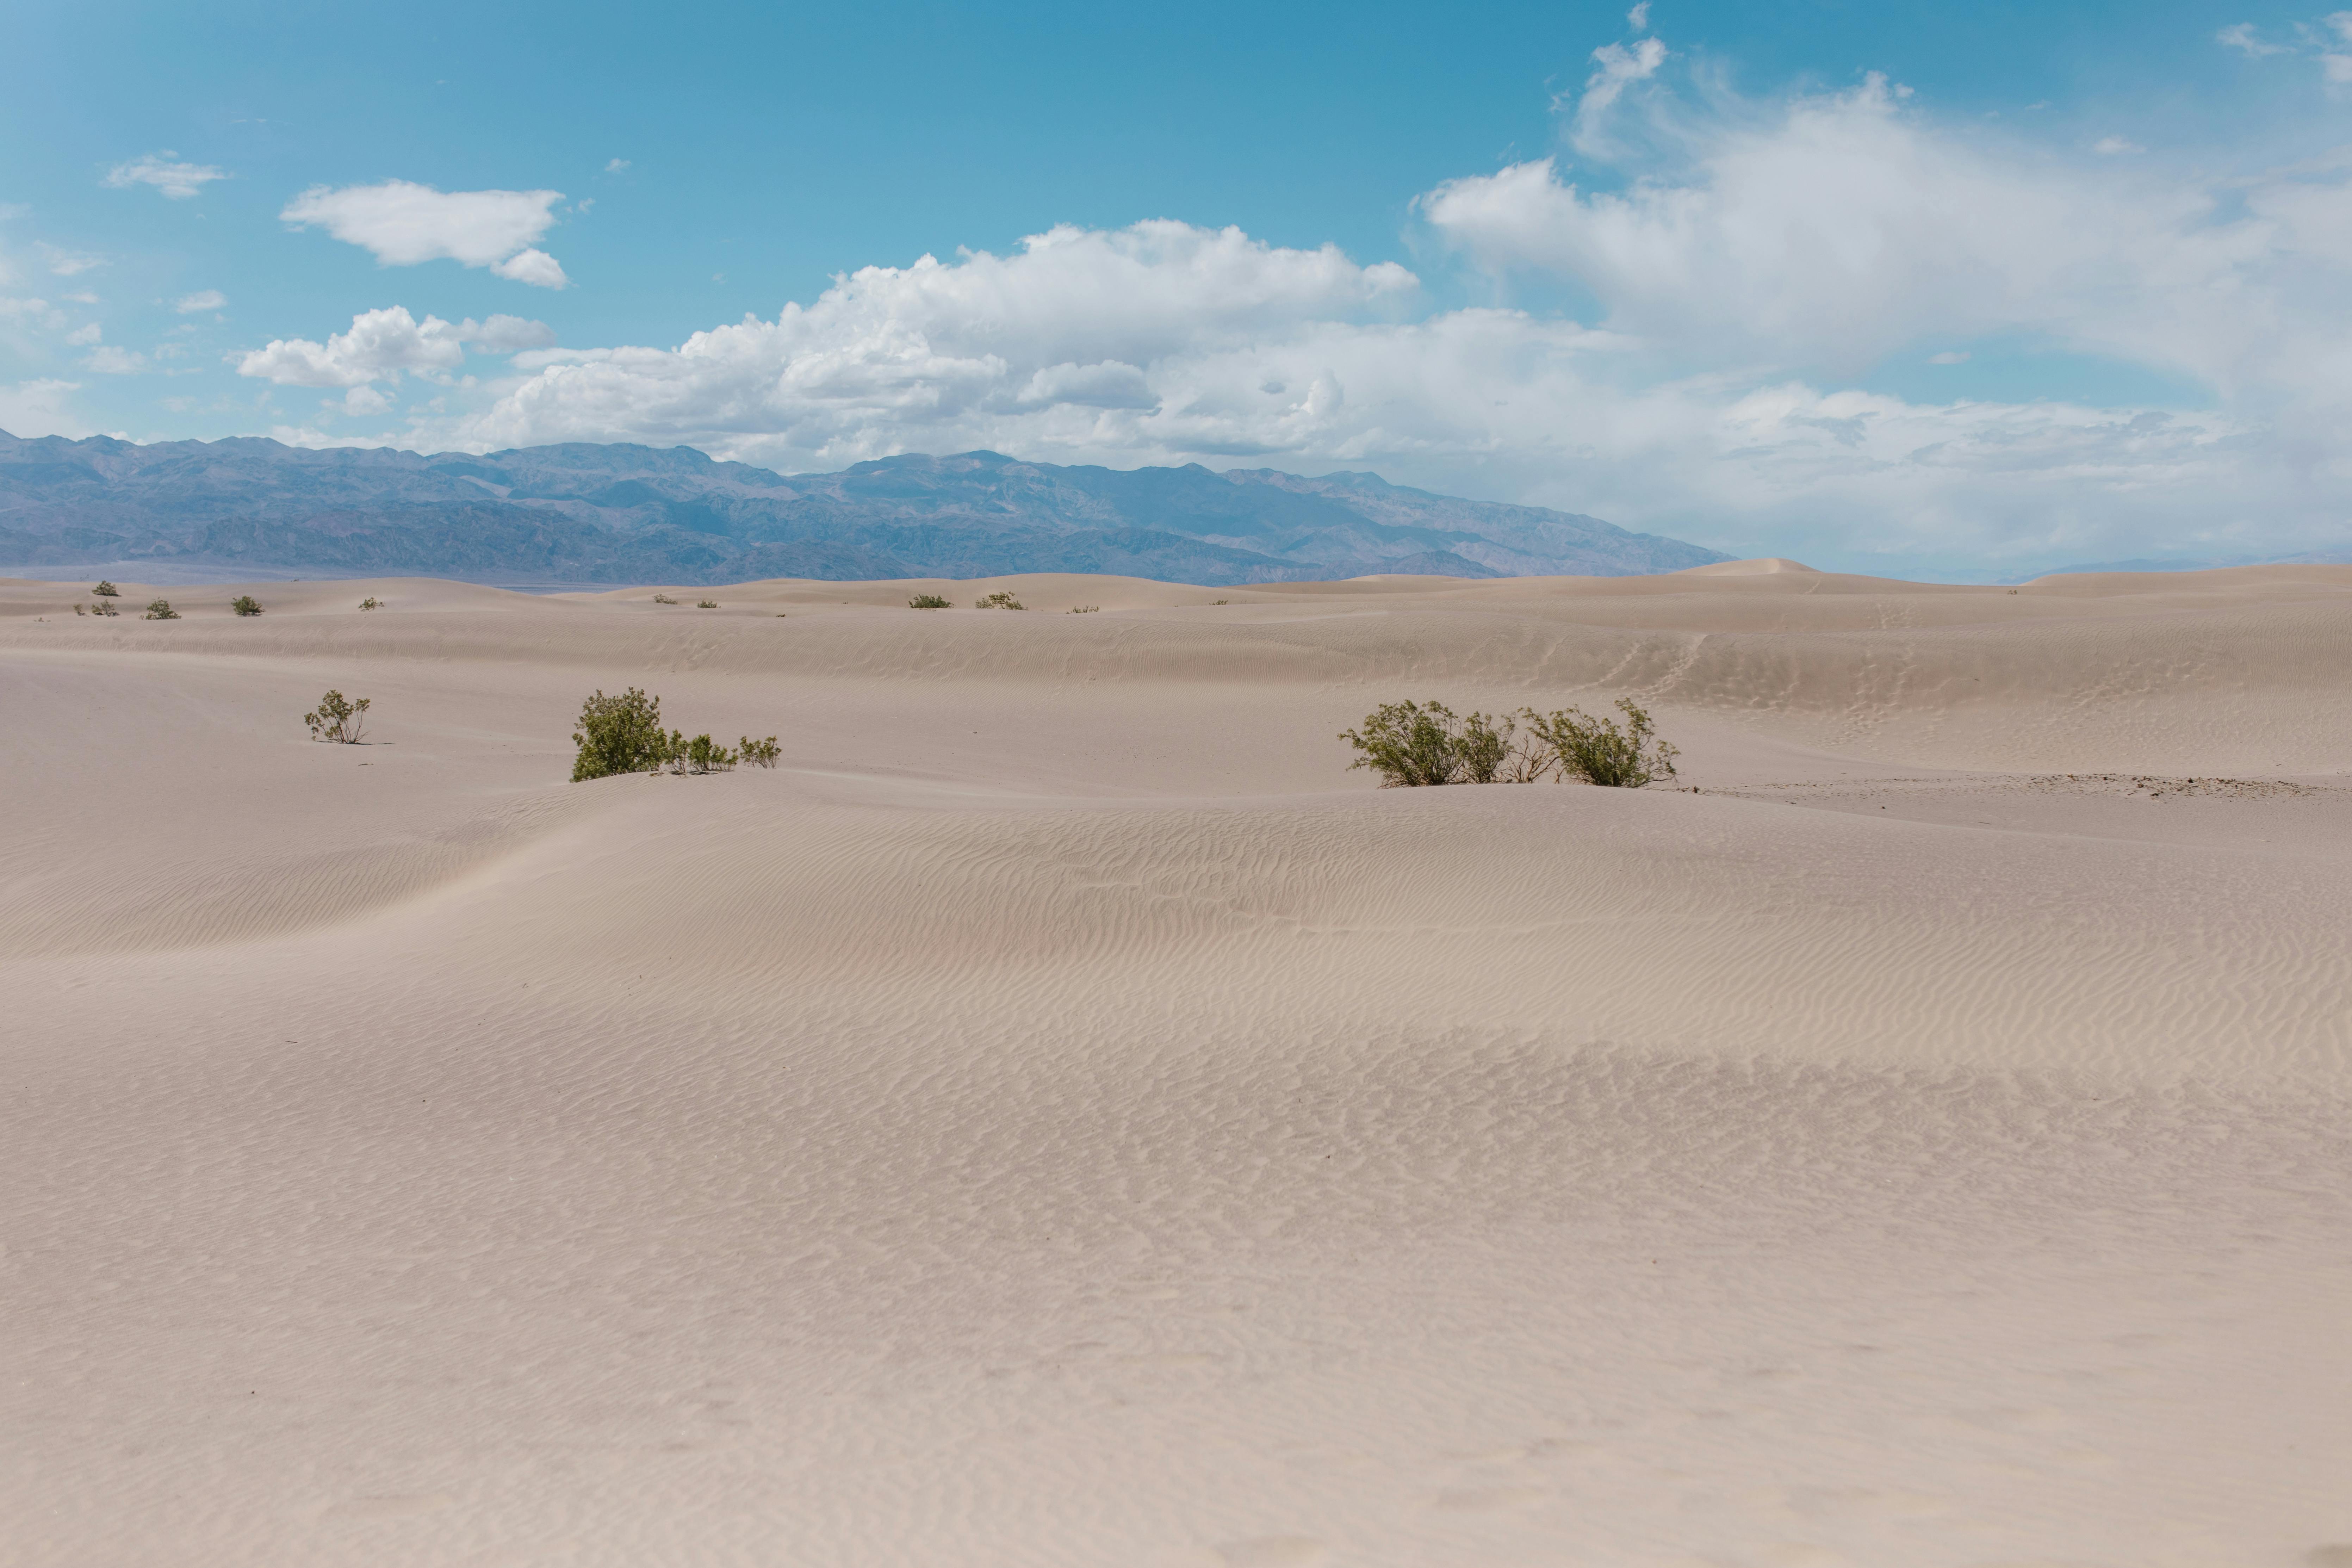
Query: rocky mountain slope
{"points": [[590, 514]]}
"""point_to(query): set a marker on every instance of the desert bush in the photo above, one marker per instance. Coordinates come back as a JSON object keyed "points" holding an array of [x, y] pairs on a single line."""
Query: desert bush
{"points": [[160, 610], [664, 599], [246, 604], [1086, 609], [80, 609], [1412, 744], [1598, 751], [106, 590], [758, 753], [104, 607], [999, 601], [927, 602], [705, 755], [706, 603], [337, 718], [371, 603], [619, 734]]}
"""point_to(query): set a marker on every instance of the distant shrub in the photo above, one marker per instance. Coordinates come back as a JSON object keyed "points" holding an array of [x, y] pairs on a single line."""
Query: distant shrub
{"points": [[704, 755], [337, 718], [106, 590], [371, 603], [927, 602], [1086, 609], [758, 753], [160, 610], [1598, 751], [1415, 744], [80, 608], [664, 599], [246, 604], [706, 603], [103, 607], [619, 734], [998, 602]]}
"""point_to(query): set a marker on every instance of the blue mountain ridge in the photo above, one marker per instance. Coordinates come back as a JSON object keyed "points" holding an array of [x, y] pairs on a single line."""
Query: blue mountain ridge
{"points": [[589, 513]]}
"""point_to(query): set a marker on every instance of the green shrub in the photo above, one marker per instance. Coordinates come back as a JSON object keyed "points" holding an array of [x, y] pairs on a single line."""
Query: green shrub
{"points": [[160, 610], [371, 603], [619, 734], [106, 590], [758, 753], [705, 755], [999, 601], [706, 603], [664, 599], [246, 604], [927, 602], [337, 718], [1086, 609], [1598, 751], [104, 607], [1412, 744]]}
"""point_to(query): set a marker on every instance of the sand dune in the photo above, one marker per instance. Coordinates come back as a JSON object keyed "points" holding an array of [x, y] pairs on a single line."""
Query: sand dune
{"points": [[1061, 1115]]}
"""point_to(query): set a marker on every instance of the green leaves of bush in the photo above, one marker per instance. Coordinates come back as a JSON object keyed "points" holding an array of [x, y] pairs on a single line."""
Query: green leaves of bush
{"points": [[619, 735], [106, 590], [758, 753], [160, 610], [337, 719], [246, 604], [1415, 744], [999, 601], [927, 602]]}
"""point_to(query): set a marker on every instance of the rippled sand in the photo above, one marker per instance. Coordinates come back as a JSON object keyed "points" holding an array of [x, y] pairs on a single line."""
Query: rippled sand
{"points": [[1061, 1115]]}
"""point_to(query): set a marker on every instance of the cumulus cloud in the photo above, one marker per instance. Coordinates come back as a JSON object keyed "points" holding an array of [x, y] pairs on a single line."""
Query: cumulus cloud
{"points": [[402, 223], [1615, 67], [383, 345], [68, 263], [35, 408], [164, 172], [2114, 146], [109, 360], [204, 300]]}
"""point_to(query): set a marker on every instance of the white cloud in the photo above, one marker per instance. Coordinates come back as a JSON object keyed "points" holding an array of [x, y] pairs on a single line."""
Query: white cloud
{"points": [[363, 401], [1616, 68], [617, 165], [176, 180], [68, 263], [81, 336], [204, 300], [35, 408], [402, 223], [1949, 356], [108, 360], [1638, 18], [533, 267], [2113, 146], [384, 344], [81, 297]]}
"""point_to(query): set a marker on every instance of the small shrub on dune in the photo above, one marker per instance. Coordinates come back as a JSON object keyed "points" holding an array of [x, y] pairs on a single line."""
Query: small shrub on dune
{"points": [[619, 734], [246, 604], [927, 602], [1599, 753], [1414, 744], [103, 607], [106, 590], [337, 718], [706, 603], [371, 603], [160, 610], [705, 755], [758, 753], [999, 601], [664, 599]]}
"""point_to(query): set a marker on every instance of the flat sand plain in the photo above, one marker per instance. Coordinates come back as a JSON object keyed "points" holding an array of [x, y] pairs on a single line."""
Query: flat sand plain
{"points": [[1062, 1116]]}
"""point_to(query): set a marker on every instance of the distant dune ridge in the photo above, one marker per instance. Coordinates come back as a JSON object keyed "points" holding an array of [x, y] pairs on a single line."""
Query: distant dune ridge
{"points": [[588, 513]]}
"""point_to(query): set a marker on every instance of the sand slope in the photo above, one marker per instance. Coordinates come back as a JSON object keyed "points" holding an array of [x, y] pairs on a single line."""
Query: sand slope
{"points": [[1062, 1115]]}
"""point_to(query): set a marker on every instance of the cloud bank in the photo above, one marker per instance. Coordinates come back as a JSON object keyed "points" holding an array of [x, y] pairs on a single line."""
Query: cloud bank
{"points": [[164, 171]]}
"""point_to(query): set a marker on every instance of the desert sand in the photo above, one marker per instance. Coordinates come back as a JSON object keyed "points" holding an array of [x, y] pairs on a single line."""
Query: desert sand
{"points": [[1061, 1115]]}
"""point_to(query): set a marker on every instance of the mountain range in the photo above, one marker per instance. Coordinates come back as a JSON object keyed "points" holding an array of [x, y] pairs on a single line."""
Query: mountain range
{"points": [[583, 512]]}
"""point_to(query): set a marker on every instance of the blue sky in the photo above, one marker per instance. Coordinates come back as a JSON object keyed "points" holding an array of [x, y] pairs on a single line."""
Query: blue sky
{"points": [[1905, 287]]}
